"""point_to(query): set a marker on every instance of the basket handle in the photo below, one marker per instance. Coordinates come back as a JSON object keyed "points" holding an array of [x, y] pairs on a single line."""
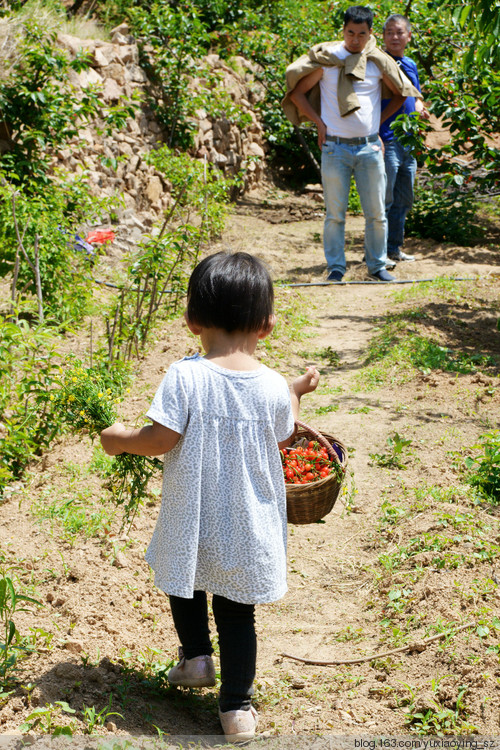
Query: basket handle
{"points": [[321, 440]]}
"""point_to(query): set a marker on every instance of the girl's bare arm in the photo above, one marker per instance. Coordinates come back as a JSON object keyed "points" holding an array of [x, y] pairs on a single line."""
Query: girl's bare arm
{"points": [[151, 440]]}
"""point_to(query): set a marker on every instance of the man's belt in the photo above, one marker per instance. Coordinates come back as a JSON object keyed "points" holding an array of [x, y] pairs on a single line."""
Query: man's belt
{"points": [[353, 141]]}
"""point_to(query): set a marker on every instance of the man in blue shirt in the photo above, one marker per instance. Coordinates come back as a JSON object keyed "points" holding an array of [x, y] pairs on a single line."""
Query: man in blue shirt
{"points": [[400, 164]]}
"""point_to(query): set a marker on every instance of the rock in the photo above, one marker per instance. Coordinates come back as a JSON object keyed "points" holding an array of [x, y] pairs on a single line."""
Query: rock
{"points": [[111, 726], [136, 74], [112, 92], [154, 189], [75, 45], [75, 647], [255, 150], [100, 59], [119, 38]]}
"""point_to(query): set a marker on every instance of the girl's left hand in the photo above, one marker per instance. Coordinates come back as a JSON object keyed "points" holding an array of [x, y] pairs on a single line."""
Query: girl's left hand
{"points": [[306, 383]]}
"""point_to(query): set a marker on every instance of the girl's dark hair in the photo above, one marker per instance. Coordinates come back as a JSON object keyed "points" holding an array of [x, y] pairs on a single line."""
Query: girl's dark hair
{"points": [[230, 291], [359, 14]]}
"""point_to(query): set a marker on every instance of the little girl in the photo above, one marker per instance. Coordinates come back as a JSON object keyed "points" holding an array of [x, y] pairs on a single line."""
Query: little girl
{"points": [[220, 420]]}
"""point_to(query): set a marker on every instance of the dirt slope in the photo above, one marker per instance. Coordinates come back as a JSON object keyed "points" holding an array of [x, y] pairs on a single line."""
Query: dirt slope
{"points": [[403, 556]]}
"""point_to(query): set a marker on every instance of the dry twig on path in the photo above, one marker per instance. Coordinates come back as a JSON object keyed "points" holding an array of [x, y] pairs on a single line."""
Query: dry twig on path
{"points": [[416, 646]]}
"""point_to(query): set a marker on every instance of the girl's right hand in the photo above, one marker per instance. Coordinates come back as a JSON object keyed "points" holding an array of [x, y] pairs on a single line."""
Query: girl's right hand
{"points": [[109, 438]]}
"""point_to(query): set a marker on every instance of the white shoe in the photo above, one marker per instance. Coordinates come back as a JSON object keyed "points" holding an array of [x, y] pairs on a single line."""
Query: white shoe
{"points": [[401, 256], [196, 672], [239, 726], [390, 264]]}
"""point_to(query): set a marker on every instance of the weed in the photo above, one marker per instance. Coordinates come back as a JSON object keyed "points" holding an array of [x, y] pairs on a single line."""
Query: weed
{"points": [[360, 410], [349, 633], [391, 514], [86, 402], [393, 459], [326, 409], [432, 718], [92, 718], [328, 355]]}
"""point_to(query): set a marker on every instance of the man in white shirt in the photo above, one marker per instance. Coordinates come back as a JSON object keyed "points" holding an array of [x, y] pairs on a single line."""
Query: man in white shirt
{"points": [[350, 144]]}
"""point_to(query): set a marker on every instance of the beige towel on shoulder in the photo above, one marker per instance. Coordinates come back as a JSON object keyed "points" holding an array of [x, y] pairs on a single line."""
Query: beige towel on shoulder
{"points": [[353, 68]]}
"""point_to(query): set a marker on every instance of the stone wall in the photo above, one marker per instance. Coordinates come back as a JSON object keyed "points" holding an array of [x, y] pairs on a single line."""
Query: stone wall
{"points": [[116, 71]]}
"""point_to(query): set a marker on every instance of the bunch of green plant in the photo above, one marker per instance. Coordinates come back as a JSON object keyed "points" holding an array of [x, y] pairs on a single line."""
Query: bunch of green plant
{"points": [[28, 366], [84, 401], [393, 459], [483, 470], [45, 719], [11, 646]]}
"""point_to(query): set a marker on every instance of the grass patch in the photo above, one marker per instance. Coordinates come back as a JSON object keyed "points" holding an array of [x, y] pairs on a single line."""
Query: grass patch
{"points": [[291, 326], [398, 351], [444, 288], [72, 515]]}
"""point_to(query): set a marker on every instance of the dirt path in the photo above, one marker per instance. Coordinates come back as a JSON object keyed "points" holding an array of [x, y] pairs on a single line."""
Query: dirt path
{"points": [[106, 631]]}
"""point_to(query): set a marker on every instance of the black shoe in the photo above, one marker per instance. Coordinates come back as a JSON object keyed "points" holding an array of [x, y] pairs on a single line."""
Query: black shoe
{"points": [[401, 256], [382, 275], [335, 276]]}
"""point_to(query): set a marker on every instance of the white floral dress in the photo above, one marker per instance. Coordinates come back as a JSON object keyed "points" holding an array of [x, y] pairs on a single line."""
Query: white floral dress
{"points": [[222, 522]]}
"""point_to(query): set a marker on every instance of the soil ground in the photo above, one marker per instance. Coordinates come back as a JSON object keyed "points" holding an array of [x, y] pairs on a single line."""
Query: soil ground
{"points": [[404, 555]]}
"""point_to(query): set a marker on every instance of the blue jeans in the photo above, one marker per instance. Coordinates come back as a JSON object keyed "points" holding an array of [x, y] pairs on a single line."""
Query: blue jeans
{"points": [[401, 168], [339, 161]]}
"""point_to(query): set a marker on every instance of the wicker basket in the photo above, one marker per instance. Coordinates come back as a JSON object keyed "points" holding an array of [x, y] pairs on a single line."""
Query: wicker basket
{"points": [[308, 503]]}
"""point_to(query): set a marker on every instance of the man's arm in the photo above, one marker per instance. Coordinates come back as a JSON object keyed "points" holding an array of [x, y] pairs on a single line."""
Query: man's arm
{"points": [[299, 98], [395, 102]]}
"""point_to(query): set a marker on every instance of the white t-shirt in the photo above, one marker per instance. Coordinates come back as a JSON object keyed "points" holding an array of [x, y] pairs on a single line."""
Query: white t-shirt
{"points": [[222, 521], [366, 120]]}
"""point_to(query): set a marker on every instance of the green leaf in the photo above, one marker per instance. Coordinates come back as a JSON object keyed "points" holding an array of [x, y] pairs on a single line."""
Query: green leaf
{"points": [[65, 731], [12, 633]]}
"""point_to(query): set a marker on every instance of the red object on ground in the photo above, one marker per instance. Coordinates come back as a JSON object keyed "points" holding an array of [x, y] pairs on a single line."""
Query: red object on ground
{"points": [[100, 236]]}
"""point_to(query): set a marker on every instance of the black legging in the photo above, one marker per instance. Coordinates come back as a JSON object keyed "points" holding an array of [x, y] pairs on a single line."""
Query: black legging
{"points": [[237, 642]]}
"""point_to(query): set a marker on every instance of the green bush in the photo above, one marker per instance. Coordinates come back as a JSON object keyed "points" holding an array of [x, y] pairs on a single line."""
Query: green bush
{"points": [[47, 222], [28, 366], [443, 213]]}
